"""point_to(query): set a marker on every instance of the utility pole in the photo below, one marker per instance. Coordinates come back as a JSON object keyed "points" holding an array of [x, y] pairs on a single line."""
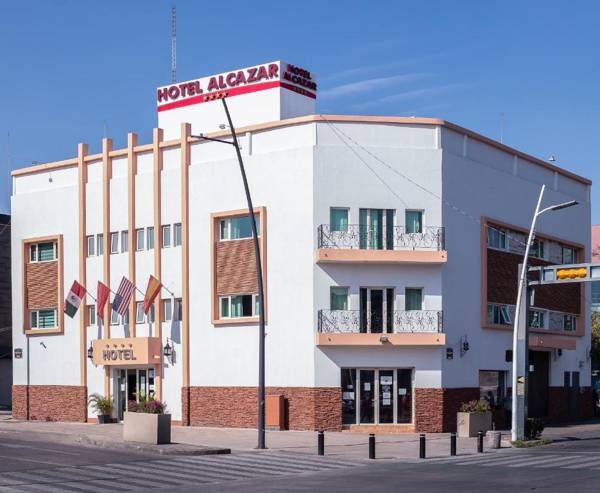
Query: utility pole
{"points": [[259, 277]]}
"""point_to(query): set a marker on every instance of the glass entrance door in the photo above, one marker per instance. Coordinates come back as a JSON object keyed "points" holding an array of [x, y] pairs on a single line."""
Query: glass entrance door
{"points": [[132, 384], [376, 396]]}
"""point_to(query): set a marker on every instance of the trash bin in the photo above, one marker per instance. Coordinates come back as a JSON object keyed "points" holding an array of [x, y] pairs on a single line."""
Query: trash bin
{"points": [[494, 439]]}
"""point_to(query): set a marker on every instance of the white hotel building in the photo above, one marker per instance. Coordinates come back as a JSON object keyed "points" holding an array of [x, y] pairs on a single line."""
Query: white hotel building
{"points": [[389, 245]]}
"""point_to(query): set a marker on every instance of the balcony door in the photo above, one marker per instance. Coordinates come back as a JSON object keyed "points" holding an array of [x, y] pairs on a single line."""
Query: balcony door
{"points": [[376, 229], [376, 310]]}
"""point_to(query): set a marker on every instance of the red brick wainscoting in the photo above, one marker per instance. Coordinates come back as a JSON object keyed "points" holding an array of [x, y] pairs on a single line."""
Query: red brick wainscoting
{"points": [[435, 409], [306, 408], [50, 402], [559, 399]]}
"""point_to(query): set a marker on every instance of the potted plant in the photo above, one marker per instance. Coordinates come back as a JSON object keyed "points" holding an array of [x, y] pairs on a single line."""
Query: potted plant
{"points": [[102, 406], [474, 416], [146, 421]]}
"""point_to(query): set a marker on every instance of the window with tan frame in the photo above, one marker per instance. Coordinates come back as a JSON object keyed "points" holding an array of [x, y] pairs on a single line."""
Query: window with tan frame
{"points": [[42, 285], [233, 266]]}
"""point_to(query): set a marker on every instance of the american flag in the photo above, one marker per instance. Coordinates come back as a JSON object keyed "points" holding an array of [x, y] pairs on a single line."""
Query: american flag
{"points": [[121, 301]]}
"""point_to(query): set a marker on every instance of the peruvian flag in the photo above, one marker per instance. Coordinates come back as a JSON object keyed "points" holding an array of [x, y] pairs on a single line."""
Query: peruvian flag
{"points": [[76, 294]]}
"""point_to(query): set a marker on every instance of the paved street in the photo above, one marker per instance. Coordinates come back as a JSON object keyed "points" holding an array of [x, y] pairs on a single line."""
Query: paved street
{"points": [[30, 466]]}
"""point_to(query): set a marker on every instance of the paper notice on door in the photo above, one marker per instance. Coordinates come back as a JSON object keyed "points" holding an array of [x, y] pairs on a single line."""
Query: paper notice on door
{"points": [[367, 386], [401, 391], [386, 395], [348, 396], [387, 402], [386, 380]]}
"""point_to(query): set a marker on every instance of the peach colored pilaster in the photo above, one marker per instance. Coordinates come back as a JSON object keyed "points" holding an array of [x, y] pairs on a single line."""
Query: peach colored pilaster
{"points": [[82, 150], [131, 172], [157, 137], [186, 129]]}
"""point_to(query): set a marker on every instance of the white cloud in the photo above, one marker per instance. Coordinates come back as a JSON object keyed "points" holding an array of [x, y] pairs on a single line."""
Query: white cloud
{"points": [[369, 85], [409, 95]]}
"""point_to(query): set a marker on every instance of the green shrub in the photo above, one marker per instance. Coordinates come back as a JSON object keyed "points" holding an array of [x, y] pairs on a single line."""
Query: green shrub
{"points": [[475, 407], [100, 405], [533, 428]]}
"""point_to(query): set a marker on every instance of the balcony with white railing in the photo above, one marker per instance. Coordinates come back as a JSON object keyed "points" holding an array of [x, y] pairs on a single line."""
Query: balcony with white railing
{"points": [[361, 328], [394, 244]]}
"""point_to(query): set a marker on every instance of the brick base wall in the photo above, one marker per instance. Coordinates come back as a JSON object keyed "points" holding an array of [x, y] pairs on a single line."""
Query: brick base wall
{"points": [[306, 408], [558, 404], [435, 409], [50, 402]]}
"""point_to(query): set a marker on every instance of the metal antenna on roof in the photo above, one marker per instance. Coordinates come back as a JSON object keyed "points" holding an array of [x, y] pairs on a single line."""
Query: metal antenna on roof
{"points": [[173, 43]]}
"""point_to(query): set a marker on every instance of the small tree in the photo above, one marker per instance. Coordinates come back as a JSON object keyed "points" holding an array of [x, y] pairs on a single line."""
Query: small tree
{"points": [[596, 340]]}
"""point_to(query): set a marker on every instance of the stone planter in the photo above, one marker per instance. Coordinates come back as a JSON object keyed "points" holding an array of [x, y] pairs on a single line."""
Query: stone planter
{"points": [[147, 428], [468, 424]]}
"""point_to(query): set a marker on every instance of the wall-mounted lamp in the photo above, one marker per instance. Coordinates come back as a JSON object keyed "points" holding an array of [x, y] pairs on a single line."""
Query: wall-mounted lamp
{"points": [[449, 353], [168, 350], [383, 339], [90, 352]]}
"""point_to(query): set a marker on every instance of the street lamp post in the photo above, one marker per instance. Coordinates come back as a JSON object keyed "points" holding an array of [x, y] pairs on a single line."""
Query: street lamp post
{"points": [[520, 331], [259, 276]]}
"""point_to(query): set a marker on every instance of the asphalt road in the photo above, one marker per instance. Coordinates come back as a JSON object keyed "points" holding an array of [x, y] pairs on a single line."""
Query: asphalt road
{"points": [[572, 464]]}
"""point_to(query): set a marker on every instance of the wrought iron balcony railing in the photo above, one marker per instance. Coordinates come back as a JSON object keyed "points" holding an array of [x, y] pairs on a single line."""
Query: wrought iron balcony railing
{"points": [[363, 322], [356, 236]]}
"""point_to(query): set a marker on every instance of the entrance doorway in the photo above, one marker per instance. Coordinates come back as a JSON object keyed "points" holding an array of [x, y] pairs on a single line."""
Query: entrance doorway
{"points": [[376, 396], [537, 384], [132, 384]]}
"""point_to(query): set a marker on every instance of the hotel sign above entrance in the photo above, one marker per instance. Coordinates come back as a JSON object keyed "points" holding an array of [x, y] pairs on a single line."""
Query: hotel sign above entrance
{"points": [[127, 351]]}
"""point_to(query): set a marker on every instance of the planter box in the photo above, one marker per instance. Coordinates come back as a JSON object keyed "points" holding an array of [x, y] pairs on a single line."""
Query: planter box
{"points": [[104, 419], [147, 428], [468, 424]]}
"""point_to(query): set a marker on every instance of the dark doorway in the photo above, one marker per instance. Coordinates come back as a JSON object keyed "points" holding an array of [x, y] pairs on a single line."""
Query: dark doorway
{"points": [[537, 390]]}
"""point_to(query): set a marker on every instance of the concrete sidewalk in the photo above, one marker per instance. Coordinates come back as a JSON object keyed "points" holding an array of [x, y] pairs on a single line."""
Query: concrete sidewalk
{"points": [[337, 444]]}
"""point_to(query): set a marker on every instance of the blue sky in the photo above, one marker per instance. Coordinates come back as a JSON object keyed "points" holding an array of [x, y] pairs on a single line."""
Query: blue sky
{"points": [[72, 68]]}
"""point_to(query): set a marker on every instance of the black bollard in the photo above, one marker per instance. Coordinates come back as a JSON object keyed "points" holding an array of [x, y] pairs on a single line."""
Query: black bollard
{"points": [[371, 446], [321, 443], [422, 446], [452, 443], [480, 442]]}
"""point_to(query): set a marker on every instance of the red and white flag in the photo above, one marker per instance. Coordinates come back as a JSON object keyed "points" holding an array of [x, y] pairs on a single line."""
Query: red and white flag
{"points": [[102, 294], [76, 294], [123, 296]]}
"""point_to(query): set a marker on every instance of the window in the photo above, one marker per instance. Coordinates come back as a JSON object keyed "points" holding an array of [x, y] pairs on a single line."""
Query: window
{"points": [[114, 243], [338, 219], [413, 299], [338, 298], [43, 319], [139, 239], [498, 315], [178, 310], [140, 316], [237, 228], [177, 234], [239, 305], [91, 315], [150, 315], [166, 236], [414, 221], [91, 246], [569, 323], [124, 241], [536, 319], [100, 244], [496, 238], [167, 310], [42, 252], [538, 249], [492, 387], [568, 255], [150, 237], [114, 317]]}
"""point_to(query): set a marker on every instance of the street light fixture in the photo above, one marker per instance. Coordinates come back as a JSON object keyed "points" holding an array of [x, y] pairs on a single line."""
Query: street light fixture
{"points": [[259, 276], [518, 411]]}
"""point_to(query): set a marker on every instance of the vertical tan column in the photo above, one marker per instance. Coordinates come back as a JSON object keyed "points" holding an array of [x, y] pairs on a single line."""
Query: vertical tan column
{"points": [[82, 150], [185, 249], [106, 176], [132, 141], [157, 137]]}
